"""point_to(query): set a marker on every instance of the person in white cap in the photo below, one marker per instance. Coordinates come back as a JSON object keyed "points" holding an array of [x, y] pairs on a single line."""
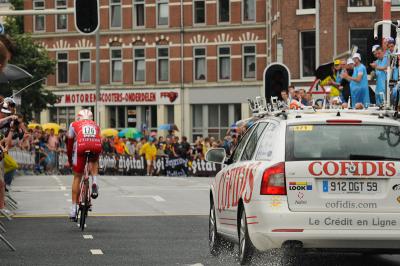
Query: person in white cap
{"points": [[376, 46], [358, 83]]}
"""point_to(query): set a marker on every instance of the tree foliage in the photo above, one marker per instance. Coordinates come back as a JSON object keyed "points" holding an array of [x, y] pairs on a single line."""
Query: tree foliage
{"points": [[34, 59]]}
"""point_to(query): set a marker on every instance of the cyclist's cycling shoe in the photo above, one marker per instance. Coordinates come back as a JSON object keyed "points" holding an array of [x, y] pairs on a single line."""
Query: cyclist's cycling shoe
{"points": [[95, 191], [72, 216]]}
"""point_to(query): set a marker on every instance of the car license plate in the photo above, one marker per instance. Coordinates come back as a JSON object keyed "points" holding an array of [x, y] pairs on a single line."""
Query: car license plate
{"points": [[337, 186]]}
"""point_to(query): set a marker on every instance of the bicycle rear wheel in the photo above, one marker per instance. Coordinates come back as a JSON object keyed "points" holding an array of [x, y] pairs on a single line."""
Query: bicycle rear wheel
{"points": [[85, 206], [82, 220]]}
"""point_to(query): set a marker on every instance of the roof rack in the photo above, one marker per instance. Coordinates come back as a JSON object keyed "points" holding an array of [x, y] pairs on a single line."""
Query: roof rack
{"points": [[261, 108]]}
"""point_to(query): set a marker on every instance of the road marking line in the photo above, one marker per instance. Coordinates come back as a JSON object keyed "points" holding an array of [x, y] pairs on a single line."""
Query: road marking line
{"points": [[63, 188], [196, 264], [87, 237], [96, 252], [66, 194], [156, 197], [69, 200]]}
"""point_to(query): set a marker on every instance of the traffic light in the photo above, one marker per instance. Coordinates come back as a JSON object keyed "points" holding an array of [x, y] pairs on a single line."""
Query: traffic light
{"points": [[87, 16]]}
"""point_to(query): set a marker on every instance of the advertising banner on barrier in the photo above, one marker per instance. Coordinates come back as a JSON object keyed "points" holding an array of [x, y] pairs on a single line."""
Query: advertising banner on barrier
{"points": [[112, 164], [129, 165]]}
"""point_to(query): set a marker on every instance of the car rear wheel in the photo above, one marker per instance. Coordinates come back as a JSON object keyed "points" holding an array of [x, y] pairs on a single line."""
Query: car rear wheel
{"points": [[246, 248]]}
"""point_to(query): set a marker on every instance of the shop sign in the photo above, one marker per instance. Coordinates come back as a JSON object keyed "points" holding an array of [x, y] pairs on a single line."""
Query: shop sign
{"points": [[124, 97]]}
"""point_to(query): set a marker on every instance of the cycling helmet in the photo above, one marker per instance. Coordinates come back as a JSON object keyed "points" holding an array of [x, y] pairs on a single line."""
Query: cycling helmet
{"points": [[85, 114]]}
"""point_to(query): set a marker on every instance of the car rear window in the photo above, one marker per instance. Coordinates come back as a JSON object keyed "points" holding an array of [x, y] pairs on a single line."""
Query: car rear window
{"points": [[342, 142]]}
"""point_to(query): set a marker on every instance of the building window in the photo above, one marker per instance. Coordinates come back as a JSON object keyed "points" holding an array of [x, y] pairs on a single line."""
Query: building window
{"points": [[115, 13], [200, 64], [122, 116], [223, 10], [140, 65], [307, 62], [139, 13], [162, 12], [61, 19], [213, 120], [364, 40], [84, 67], [307, 4], [361, 3], [197, 121], [163, 64], [249, 10], [149, 117], [62, 68], [199, 11], [170, 114], [63, 116], [224, 63], [249, 61], [116, 65], [39, 20]]}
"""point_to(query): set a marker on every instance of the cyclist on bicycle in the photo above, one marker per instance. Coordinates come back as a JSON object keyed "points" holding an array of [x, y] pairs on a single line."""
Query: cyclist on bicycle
{"points": [[83, 136]]}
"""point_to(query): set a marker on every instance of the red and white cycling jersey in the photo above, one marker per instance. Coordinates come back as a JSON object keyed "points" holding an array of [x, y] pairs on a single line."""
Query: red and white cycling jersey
{"points": [[87, 136]]}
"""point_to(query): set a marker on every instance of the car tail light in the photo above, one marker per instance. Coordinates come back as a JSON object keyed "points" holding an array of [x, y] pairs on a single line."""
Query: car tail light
{"points": [[273, 181]]}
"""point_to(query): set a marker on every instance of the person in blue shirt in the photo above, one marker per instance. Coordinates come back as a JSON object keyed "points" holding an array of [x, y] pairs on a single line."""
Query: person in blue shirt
{"points": [[380, 66], [358, 84]]}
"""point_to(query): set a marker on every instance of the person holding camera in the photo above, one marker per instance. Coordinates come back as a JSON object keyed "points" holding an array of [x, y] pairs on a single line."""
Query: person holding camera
{"points": [[8, 125]]}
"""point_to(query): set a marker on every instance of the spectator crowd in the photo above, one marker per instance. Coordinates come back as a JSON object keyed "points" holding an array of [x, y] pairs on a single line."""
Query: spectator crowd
{"points": [[171, 147], [349, 82]]}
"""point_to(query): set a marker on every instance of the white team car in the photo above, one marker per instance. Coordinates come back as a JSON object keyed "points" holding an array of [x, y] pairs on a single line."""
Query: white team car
{"points": [[320, 180]]}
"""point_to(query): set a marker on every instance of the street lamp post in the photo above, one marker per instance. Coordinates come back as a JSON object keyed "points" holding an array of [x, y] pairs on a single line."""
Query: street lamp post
{"points": [[98, 76]]}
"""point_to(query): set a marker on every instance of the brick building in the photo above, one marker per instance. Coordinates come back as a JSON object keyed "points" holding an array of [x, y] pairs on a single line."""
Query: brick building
{"points": [[194, 67], [292, 33]]}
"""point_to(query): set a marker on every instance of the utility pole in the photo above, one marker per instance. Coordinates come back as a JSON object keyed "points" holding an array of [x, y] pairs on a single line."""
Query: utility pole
{"points": [[387, 15], [317, 33]]}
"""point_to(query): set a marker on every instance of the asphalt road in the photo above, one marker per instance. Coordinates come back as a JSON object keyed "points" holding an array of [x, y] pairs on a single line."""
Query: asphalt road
{"points": [[136, 221]]}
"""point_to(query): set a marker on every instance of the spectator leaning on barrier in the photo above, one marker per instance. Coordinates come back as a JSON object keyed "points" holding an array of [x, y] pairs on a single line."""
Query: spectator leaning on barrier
{"points": [[182, 150], [149, 150], [142, 141], [169, 148], [62, 140], [107, 147], [358, 84], [119, 146], [131, 146]]}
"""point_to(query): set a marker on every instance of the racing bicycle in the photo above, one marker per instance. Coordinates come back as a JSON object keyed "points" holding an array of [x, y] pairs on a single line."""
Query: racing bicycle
{"points": [[85, 203]]}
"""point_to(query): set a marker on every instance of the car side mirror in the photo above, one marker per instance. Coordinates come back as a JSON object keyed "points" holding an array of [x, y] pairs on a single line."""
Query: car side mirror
{"points": [[217, 155]]}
